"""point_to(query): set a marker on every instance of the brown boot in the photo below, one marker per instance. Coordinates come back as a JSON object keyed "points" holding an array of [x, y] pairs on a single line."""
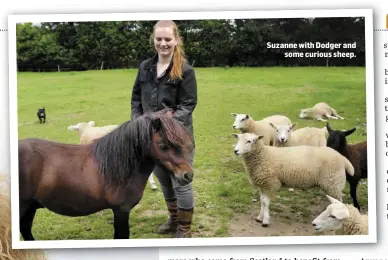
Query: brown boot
{"points": [[184, 219], [171, 226]]}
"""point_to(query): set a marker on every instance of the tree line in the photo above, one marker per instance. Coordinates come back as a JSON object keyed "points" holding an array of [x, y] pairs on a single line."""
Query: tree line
{"points": [[60, 46]]}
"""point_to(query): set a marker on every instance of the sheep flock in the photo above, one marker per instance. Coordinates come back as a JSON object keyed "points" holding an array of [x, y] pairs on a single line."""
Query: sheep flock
{"points": [[276, 153]]}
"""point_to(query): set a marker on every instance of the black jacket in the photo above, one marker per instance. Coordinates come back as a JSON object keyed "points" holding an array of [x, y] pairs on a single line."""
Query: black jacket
{"points": [[152, 94]]}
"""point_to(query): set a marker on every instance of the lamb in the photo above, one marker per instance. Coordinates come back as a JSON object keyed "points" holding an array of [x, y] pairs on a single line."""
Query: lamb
{"points": [[269, 168], [319, 111], [286, 136], [247, 124], [88, 132], [357, 155], [343, 218]]}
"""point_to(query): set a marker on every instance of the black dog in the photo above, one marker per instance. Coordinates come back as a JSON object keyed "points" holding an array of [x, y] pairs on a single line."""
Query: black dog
{"points": [[41, 115]]}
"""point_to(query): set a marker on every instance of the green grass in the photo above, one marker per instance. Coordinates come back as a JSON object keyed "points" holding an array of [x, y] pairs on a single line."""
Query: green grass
{"points": [[221, 186]]}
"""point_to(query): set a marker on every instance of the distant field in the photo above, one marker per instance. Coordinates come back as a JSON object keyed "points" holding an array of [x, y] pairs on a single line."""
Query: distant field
{"points": [[223, 195]]}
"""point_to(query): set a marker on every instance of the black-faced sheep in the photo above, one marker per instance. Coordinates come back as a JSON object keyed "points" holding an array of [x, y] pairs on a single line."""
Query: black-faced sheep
{"points": [[269, 168], [319, 111], [357, 155], [247, 124], [343, 218]]}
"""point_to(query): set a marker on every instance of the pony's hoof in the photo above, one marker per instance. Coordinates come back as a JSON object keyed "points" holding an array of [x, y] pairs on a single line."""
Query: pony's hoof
{"points": [[258, 220], [264, 225]]}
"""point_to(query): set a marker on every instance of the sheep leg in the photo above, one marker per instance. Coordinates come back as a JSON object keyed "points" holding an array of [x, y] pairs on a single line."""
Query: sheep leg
{"points": [[261, 215], [266, 200], [321, 119], [152, 182], [353, 193], [330, 116]]}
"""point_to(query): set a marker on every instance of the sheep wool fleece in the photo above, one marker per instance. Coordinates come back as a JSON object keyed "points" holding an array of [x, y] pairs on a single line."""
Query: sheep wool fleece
{"points": [[356, 224]]}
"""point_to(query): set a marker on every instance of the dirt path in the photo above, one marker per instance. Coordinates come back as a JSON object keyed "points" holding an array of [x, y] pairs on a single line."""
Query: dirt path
{"points": [[285, 223]]}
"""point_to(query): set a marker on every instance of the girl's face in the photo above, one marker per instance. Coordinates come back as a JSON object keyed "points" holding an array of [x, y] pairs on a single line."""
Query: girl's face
{"points": [[164, 41]]}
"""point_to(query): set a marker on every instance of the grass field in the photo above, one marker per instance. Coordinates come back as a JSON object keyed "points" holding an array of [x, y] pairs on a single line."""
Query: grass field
{"points": [[224, 199]]}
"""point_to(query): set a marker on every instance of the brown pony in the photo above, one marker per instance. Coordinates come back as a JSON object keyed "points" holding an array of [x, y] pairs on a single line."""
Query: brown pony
{"points": [[110, 173]]}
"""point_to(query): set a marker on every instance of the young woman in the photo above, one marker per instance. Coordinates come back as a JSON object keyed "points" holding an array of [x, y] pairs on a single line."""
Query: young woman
{"points": [[167, 80]]}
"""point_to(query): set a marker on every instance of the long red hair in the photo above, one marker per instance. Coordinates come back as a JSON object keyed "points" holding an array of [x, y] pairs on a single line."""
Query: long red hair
{"points": [[179, 54]]}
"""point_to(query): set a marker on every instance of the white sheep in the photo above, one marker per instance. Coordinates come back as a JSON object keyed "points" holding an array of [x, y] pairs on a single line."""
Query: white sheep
{"points": [[247, 124], [89, 132], [345, 219], [319, 111], [286, 136], [269, 168]]}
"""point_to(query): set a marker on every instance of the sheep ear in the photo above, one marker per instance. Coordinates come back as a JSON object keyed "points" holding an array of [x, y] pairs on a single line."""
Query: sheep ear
{"points": [[272, 125], [332, 200], [91, 123], [349, 132], [328, 128], [293, 125], [246, 116], [72, 128], [235, 135], [341, 214], [234, 114], [257, 138]]}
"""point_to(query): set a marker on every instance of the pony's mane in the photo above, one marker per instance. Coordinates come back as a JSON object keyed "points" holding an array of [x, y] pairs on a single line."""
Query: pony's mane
{"points": [[123, 150]]}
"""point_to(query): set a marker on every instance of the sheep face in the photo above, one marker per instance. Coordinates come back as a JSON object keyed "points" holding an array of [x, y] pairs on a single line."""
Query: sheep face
{"points": [[245, 142], [282, 132], [337, 138], [240, 120], [333, 217], [304, 113]]}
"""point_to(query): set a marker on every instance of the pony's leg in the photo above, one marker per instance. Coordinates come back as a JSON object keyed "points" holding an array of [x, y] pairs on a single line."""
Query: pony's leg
{"points": [[266, 200], [121, 225], [152, 182], [26, 223]]}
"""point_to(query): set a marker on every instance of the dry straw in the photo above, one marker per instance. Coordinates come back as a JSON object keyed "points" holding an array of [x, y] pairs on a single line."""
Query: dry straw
{"points": [[6, 251]]}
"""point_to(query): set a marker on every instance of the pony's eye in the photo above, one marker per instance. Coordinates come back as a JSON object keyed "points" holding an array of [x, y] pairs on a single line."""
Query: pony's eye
{"points": [[163, 147]]}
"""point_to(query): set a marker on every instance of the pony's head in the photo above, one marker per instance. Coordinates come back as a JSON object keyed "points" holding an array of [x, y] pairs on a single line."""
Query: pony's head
{"points": [[171, 146]]}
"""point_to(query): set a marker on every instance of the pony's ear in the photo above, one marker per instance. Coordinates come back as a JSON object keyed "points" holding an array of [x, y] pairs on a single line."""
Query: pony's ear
{"points": [[156, 124], [349, 132]]}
